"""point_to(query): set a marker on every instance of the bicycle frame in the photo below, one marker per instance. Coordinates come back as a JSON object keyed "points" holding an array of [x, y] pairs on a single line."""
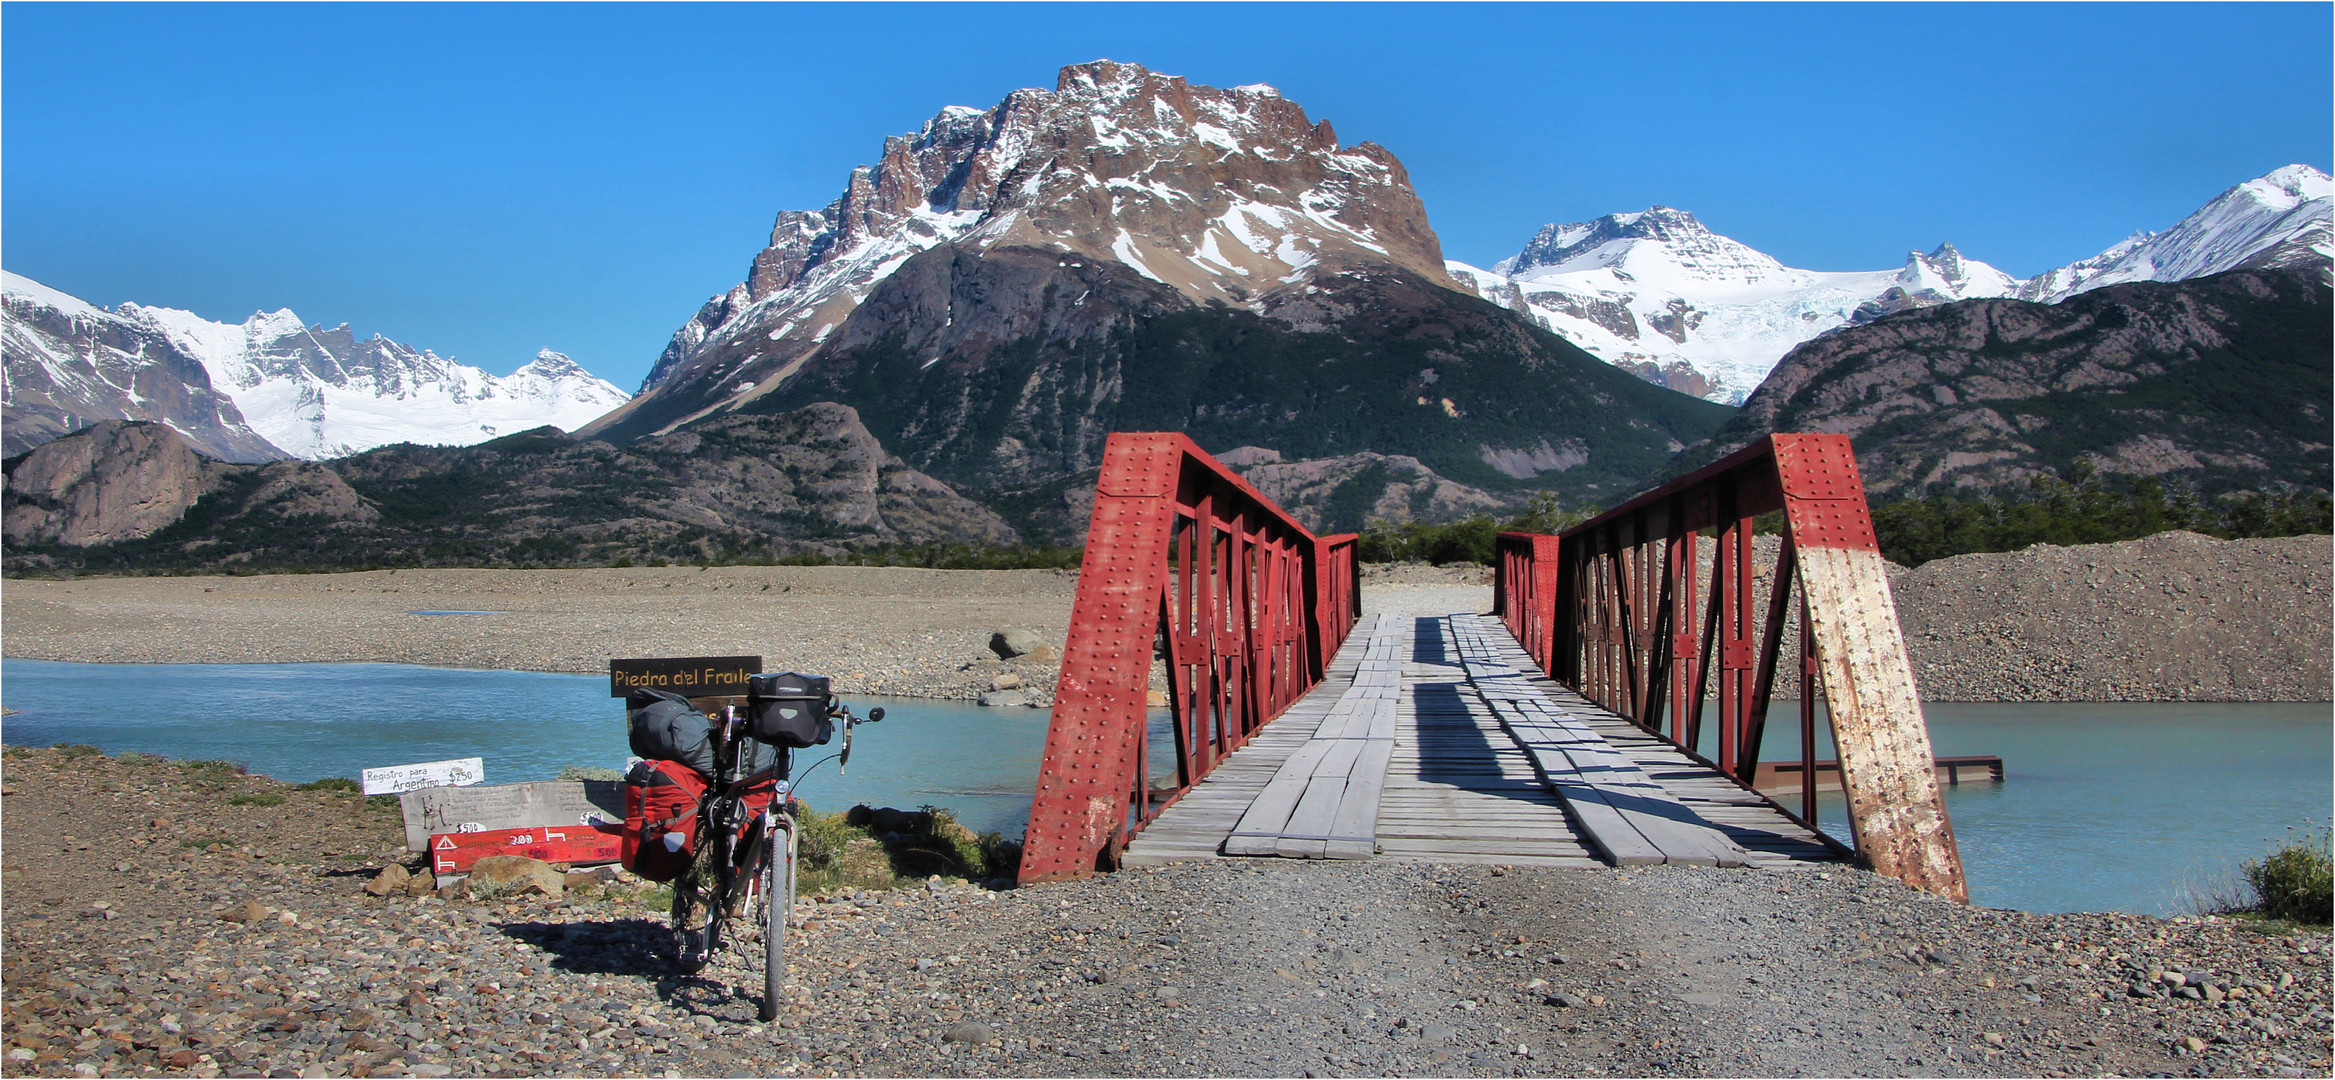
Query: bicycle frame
{"points": [[765, 866]]}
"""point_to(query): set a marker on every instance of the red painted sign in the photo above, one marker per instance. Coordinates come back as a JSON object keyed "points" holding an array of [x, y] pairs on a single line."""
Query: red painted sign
{"points": [[456, 852]]}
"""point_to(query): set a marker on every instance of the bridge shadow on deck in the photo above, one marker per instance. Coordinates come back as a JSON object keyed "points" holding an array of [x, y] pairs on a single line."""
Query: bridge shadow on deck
{"points": [[1458, 743]]}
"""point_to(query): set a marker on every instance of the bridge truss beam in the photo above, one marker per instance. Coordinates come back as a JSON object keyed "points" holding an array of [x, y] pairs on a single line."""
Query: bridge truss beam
{"points": [[1187, 563], [1618, 609]]}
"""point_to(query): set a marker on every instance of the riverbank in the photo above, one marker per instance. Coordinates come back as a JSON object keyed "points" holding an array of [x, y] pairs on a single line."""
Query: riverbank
{"points": [[2175, 617], [134, 947]]}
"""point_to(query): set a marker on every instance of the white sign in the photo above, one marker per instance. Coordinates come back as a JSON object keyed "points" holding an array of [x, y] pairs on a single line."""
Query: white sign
{"points": [[399, 778]]}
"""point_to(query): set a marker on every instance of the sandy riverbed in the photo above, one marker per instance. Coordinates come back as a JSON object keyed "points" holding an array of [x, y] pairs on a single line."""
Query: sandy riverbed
{"points": [[2177, 617]]}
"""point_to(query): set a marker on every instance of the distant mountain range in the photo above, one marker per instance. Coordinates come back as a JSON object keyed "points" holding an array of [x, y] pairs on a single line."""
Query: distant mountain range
{"points": [[267, 389], [1661, 295], [939, 354]]}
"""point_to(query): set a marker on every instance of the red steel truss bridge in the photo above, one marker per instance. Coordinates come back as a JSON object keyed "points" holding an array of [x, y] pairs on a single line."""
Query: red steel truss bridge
{"points": [[1609, 710]]}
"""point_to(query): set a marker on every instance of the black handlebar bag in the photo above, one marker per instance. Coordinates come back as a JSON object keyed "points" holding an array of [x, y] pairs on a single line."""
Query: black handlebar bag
{"points": [[786, 709]]}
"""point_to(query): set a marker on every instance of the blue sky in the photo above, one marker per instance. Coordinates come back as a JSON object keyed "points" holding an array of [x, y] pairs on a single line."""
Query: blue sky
{"points": [[484, 180]]}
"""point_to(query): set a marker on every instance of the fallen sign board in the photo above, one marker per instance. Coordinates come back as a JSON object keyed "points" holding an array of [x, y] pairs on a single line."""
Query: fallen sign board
{"points": [[456, 853], [532, 805], [395, 779]]}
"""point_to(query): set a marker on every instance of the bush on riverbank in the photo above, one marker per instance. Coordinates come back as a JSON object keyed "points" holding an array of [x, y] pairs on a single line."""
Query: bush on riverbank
{"points": [[2297, 881], [882, 849]]}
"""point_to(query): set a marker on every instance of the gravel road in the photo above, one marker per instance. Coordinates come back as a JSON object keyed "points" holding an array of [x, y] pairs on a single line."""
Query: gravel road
{"points": [[118, 961], [2175, 617]]}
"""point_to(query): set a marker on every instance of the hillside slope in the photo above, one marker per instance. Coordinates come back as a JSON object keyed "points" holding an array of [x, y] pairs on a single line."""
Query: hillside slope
{"points": [[2222, 383]]}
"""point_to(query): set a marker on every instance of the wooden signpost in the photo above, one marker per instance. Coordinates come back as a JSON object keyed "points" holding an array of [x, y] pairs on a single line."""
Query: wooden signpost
{"points": [[688, 676]]}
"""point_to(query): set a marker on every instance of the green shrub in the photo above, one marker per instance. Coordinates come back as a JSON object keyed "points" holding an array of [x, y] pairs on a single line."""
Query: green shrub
{"points": [[340, 784], [77, 751], [2295, 882], [823, 838], [256, 799], [132, 757]]}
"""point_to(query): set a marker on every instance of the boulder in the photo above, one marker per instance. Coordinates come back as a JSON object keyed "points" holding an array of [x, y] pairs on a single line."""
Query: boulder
{"points": [[1002, 698], [1006, 681], [392, 879], [513, 875], [1042, 654], [1012, 641]]}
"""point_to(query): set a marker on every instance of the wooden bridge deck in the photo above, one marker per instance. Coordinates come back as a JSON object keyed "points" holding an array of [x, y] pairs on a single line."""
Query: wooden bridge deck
{"points": [[1433, 739]]}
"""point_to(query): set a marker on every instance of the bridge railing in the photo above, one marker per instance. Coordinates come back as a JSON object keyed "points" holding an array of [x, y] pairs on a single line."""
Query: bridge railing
{"points": [[1524, 589], [1188, 565], [1634, 627]]}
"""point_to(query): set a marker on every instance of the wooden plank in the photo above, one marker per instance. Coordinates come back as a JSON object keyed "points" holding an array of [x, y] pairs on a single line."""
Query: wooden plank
{"points": [[1268, 816], [1357, 812]]}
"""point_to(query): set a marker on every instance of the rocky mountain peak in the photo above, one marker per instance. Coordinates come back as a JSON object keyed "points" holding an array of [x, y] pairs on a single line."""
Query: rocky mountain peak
{"points": [[1221, 196]]}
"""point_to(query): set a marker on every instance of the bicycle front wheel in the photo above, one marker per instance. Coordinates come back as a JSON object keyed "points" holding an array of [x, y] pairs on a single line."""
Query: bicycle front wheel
{"points": [[778, 891]]}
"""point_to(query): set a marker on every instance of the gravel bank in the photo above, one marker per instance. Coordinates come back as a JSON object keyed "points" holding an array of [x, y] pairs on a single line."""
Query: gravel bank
{"points": [[118, 962], [877, 630], [2173, 617], [2176, 617]]}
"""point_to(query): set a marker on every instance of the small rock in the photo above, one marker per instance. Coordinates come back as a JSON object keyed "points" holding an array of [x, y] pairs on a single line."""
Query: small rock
{"points": [[250, 911], [421, 885], [999, 699], [1006, 681], [975, 1033], [513, 875], [392, 878], [1043, 654], [1155, 699], [1564, 1000], [2193, 1044], [2172, 978], [1437, 1035], [1994, 1038]]}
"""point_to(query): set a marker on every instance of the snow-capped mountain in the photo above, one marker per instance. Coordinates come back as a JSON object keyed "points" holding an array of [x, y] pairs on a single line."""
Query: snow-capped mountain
{"points": [[1657, 293], [2284, 219], [1224, 196], [285, 388]]}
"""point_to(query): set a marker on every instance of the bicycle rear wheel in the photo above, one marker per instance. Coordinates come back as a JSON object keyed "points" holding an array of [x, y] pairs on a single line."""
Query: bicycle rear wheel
{"points": [[697, 908], [778, 891]]}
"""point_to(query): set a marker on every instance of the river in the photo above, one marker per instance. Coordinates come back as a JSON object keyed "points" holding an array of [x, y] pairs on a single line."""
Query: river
{"points": [[2125, 807]]}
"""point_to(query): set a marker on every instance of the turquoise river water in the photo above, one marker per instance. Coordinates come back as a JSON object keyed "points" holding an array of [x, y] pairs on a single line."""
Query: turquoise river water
{"points": [[2122, 807]]}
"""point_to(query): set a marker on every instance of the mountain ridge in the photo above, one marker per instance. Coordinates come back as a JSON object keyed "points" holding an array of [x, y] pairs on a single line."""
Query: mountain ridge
{"points": [[1659, 294], [270, 387]]}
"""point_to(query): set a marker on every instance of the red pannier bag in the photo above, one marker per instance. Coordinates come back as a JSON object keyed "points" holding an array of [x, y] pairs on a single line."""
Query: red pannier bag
{"points": [[661, 800]]}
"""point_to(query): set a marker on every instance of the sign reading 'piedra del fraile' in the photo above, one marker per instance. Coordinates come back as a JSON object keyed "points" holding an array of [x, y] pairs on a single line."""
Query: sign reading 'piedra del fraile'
{"points": [[689, 676]]}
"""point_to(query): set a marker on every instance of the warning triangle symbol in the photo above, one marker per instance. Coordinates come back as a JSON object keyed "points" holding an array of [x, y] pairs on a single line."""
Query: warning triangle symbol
{"points": [[445, 843]]}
